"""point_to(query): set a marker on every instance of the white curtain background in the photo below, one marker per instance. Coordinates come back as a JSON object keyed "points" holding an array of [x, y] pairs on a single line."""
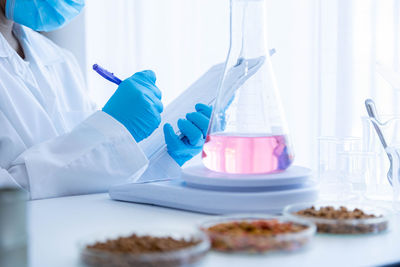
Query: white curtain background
{"points": [[331, 55], [178, 39]]}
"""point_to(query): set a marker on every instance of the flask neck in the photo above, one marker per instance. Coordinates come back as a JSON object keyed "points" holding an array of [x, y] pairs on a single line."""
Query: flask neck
{"points": [[248, 28]]}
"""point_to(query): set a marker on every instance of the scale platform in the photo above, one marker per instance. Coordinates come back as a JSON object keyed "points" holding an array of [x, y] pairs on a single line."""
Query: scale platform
{"points": [[200, 190]]}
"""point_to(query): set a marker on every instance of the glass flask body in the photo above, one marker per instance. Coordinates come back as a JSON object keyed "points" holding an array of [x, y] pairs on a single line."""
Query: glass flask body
{"points": [[248, 132]]}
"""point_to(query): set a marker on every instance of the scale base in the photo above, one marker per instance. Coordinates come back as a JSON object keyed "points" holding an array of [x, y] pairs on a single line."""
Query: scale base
{"points": [[178, 194]]}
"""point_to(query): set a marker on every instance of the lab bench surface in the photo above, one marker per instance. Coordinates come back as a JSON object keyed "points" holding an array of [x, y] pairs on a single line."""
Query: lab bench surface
{"points": [[57, 225]]}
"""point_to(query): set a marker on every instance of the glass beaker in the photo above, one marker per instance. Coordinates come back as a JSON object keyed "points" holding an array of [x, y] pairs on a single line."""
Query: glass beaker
{"points": [[379, 188], [394, 152], [341, 167], [248, 132]]}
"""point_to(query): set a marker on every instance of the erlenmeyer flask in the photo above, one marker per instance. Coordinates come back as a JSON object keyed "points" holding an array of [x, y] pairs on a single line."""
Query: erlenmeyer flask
{"points": [[248, 132]]}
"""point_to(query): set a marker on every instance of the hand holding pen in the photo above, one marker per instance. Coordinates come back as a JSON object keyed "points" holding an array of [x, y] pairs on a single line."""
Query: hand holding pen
{"points": [[136, 103], [181, 147]]}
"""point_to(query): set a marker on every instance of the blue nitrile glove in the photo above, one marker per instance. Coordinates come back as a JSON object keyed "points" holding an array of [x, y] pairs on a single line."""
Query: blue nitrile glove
{"points": [[194, 128], [137, 104]]}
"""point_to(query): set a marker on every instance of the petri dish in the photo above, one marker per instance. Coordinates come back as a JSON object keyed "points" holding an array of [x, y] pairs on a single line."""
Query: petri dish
{"points": [[375, 225], [257, 244], [189, 256]]}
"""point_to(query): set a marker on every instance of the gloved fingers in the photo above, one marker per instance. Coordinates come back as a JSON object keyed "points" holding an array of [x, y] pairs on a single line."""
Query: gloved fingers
{"points": [[199, 120], [147, 79], [146, 75], [193, 134], [154, 89], [149, 122], [180, 150], [204, 109], [150, 75], [156, 115], [186, 141], [149, 115], [155, 101], [170, 136]]}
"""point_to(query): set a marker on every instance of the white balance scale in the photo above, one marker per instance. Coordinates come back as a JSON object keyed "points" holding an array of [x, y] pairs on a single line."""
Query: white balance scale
{"points": [[201, 190]]}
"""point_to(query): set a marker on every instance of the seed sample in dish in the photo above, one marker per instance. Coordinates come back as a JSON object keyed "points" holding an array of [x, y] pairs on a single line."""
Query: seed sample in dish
{"points": [[146, 251], [341, 218], [257, 235]]}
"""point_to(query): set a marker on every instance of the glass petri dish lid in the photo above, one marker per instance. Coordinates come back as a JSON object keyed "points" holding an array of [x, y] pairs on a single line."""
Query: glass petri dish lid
{"points": [[353, 226], [189, 256], [231, 242]]}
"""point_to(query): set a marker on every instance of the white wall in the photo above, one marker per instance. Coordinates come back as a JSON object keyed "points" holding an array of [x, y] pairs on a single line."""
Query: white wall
{"points": [[178, 39]]}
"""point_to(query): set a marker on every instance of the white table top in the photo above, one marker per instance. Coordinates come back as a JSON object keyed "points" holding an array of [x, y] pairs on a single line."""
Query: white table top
{"points": [[56, 226]]}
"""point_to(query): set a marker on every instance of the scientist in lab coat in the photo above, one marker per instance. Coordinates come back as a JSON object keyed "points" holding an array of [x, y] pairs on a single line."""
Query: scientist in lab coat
{"points": [[53, 141]]}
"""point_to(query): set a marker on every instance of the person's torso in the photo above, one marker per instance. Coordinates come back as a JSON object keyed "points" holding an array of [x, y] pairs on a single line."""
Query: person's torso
{"points": [[42, 96]]}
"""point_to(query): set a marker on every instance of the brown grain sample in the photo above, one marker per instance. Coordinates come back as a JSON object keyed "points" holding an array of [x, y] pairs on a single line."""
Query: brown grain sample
{"points": [[343, 220]]}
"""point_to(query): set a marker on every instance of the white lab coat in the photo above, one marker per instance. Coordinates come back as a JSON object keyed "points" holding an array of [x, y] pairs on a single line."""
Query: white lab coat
{"points": [[53, 142]]}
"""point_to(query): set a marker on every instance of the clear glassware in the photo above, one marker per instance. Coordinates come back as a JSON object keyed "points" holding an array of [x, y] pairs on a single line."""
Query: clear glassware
{"points": [[394, 151], [340, 160], [378, 187], [358, 168], [248, 132]]}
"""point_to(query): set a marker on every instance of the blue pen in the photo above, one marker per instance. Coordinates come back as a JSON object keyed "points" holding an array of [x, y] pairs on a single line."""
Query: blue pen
{"points": [[106, 74]]}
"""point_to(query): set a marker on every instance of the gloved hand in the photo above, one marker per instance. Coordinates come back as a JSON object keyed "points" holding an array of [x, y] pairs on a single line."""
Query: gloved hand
{"points": [[137, 104], [194, 128]]}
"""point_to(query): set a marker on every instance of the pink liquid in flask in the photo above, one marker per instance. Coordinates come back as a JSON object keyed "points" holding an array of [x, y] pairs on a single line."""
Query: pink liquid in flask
{"points": [[247, 155]]}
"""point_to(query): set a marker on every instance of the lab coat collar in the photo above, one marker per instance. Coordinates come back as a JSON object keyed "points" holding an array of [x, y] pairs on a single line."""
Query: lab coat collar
{"points": [[37, 46], [33, 43]]}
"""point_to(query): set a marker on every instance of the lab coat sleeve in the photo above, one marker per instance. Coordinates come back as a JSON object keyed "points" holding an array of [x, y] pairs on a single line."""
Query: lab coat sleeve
{"points": [[98, 153]]}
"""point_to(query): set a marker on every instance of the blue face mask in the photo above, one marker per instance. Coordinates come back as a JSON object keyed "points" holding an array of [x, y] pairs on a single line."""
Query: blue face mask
{"points": [[43, 15]]}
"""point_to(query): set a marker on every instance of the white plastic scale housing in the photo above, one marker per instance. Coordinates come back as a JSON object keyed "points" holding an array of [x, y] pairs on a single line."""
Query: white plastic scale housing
{"points": [[204, 191]]}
